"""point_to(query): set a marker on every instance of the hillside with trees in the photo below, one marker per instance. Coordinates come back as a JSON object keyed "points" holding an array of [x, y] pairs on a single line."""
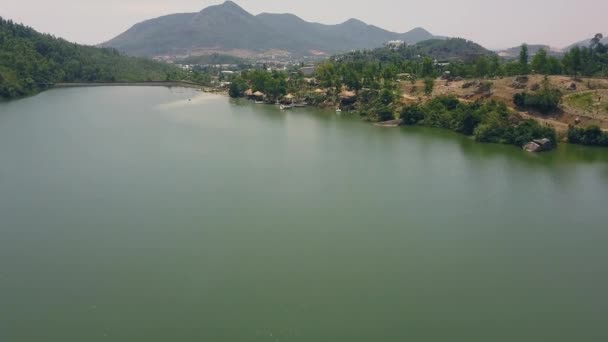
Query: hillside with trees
{"points": [[458, 85], [31, 61]]}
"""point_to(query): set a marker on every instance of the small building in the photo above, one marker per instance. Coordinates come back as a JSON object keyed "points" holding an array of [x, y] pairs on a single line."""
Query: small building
{"points": [[404, 77], [347, 97], [441, 64], [258, 95], [395, 44]]}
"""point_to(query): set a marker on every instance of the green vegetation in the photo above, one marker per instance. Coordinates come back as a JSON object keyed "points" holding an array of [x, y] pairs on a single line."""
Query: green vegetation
{"points": [[273, 84], [374, 77], [465, 59], [583, 100], [429, 84], [486, 122], [523, 60], [592, 136], [31, 61], [545, 100], [587, 61]]}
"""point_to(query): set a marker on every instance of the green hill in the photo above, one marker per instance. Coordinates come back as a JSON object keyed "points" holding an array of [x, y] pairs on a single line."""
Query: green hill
{"points": [[31, 61], [229, 27], [451, 50]]}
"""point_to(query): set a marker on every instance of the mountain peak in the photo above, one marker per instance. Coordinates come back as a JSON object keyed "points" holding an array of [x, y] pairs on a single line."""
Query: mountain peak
{"points": [[419, 30], [229, 6], [228, 27], [354, 22]]}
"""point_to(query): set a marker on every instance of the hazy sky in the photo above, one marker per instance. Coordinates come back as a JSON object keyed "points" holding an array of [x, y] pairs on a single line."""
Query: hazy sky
{"points": [[494, 24]]}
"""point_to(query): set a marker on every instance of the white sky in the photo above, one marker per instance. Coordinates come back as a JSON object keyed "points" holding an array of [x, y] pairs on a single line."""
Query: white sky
{"points": [[492, 23]]}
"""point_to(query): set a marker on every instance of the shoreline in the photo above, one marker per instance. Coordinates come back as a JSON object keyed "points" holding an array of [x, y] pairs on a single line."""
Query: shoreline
{"points": [[182, 84]]}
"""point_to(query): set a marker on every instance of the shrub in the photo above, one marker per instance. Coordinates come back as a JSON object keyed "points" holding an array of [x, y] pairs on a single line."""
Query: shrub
{"points": [[545, 100], [411, 115], [429, 84], [592, 135]]}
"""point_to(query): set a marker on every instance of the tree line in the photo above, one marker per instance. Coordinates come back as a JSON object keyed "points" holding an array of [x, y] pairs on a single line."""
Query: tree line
{"points": [[31, 61]]}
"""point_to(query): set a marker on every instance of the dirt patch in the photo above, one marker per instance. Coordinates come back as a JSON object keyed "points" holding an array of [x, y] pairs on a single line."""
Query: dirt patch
{"points": [[576, 106]]}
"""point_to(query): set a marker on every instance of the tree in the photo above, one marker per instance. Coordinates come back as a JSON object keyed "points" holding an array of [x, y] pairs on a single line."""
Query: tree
{"points": [[427, 67], [572, 61], [482, 67], [523, 59], [540, 63], [429, 84], [237, 88], [411, 115], [596, 40]]}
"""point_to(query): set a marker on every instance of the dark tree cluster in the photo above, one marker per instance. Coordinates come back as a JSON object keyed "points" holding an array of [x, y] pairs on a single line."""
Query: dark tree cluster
{"points": [[486, 122], [31, 61]]}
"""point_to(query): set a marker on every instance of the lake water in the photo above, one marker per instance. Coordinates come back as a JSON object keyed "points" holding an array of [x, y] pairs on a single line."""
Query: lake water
{"points": [[133, 214]]}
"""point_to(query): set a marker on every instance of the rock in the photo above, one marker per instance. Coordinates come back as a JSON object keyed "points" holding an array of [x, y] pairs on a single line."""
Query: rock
{"points": [[532, 147], [572, 86], [518, 85], [522, 79], [469, 85], [539, 145], [545, 143], [577, 120]]}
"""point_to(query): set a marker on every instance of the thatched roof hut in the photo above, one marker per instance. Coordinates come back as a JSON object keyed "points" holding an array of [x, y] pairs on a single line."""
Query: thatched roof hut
{"points": [[289, 97], [248, 92], [259, 94], [345, 94]]}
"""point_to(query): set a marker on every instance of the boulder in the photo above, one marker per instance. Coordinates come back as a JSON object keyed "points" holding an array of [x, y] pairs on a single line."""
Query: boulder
{"points": [[518, 85], [539, 145], [522, 79], [467, 85], [545, 143], [572, 86], [532, 147]]}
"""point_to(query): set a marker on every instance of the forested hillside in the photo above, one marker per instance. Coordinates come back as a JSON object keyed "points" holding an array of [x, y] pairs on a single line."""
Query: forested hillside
{"points": [[31, 61]]}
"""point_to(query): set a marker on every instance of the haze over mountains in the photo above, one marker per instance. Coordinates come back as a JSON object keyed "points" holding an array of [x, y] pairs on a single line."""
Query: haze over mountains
{"points": [[552, 51], [230, 29]]}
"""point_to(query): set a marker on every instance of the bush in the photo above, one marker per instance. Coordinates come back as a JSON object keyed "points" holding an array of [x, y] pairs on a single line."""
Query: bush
{"points": [[429, 84], [411, 115], [237, 88], [487, 122], [592, 136], [545, 100], [384, 113]]}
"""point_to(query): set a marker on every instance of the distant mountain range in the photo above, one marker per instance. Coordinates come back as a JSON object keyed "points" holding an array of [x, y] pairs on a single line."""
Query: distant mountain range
{"points": [[228, 28], [552, 51], [586, 42], [532, 50]]}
